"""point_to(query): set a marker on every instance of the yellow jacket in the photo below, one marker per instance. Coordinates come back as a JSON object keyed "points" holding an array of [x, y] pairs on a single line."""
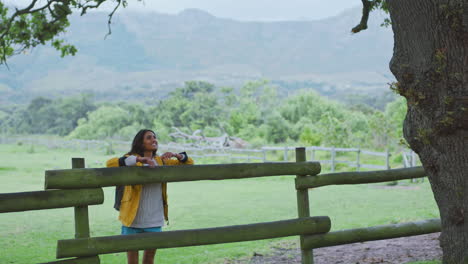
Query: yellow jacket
{"points": [[131, 196]]}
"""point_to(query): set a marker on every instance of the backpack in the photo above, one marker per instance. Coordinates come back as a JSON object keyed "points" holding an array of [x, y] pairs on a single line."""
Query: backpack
{"points": [[119, 190]]}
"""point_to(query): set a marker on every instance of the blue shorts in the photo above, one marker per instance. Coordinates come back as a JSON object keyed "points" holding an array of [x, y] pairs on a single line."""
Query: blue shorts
{"points": [[135, 230]]}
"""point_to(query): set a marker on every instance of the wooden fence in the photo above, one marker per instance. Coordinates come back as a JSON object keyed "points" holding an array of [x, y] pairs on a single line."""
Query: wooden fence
{"points": [[80, 187]]}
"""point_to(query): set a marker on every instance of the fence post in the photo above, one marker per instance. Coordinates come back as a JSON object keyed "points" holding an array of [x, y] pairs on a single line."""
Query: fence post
{"points": [[312, 157], [264, 155], [81, 213], [333, 154], [303, 210], [405, 160], [358, 161], [414, 164], [387, 160], [413, 158], [285, 154]]}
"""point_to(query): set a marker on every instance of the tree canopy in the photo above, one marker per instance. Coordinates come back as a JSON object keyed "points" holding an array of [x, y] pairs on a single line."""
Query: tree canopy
{"points": [[43, 22]]}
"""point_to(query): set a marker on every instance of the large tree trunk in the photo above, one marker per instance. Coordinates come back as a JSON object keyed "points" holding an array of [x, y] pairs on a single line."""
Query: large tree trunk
{"points": [[430, 62]]}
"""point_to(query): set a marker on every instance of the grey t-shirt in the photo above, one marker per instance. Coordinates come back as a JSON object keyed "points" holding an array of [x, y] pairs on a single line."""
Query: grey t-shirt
{"points": [[150, 209]]}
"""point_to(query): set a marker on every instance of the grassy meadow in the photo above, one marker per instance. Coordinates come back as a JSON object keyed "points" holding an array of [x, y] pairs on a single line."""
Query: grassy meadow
{"points": [[30, 237]]}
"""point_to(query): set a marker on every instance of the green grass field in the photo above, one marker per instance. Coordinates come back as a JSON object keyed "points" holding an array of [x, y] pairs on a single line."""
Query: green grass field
{"points": [[30, 237]]}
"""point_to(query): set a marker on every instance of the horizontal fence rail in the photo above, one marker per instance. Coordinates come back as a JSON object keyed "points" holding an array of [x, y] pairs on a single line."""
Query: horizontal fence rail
{"points": [[25, 201], [182, 238], [374, 153], [372, 233], [101, 177], [359, 177]]}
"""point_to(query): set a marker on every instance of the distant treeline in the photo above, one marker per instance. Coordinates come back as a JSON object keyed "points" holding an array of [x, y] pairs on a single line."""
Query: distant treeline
{"points": [[255, 113]]}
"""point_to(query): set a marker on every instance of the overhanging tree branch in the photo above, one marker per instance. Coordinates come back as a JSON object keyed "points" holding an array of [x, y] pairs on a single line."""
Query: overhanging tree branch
{"points": [[366, 8], [31, 26], [87, 6], [110, 18]]}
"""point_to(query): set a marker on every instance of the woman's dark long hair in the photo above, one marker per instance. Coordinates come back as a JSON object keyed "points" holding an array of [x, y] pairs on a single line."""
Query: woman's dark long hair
{"points": [[137, 144]]}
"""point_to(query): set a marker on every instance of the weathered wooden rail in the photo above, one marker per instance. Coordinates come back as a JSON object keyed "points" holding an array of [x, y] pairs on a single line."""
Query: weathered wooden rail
{"points": [[25, 201], [80, 187], [359, 178], [92, 178], [195, 237], [372, 233]]}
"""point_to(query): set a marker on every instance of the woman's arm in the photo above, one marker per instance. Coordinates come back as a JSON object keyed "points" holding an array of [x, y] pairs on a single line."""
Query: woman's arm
{"points": [[181, 158], [120, 189], [121, 162], [129, 160], [145, 160], [114, 162]]}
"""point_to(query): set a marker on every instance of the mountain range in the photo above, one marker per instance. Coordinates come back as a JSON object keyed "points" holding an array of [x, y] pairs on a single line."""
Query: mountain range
{"points": [[150, 53]]}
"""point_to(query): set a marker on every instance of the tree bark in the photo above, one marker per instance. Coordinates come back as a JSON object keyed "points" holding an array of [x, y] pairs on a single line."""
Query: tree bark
{"points": [[430, 63]]}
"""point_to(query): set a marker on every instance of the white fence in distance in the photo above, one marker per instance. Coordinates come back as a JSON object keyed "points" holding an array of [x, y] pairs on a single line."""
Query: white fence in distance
{"points": [[230, 154]]}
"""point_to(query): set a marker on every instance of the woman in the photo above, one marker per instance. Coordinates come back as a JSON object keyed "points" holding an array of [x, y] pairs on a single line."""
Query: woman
{"points": [[143, 208]]}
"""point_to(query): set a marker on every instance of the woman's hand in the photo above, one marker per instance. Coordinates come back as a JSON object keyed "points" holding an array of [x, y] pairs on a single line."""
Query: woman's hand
{"points": [[146, 160], [169, 155]]}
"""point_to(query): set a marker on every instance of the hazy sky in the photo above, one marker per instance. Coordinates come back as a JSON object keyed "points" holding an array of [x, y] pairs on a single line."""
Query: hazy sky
{"points": [[245, 9]]}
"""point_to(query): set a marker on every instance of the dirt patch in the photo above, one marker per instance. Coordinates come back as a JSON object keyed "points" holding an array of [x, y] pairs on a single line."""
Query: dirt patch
{"points": [[390, 251]]}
